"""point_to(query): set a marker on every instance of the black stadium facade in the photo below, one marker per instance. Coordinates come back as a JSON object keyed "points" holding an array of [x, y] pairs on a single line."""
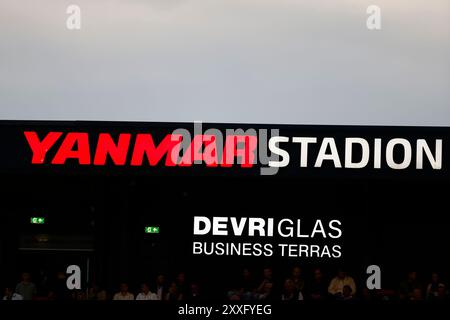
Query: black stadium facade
{"points": [[127, 202]]}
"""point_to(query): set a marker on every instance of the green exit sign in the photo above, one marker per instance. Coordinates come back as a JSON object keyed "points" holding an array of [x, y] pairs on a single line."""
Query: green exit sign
{"points": [[37, 220], [152, 229]]}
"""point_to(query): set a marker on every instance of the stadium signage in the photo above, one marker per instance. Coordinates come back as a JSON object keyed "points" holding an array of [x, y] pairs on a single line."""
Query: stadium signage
{"points": [[173, 149], [144, 150]]}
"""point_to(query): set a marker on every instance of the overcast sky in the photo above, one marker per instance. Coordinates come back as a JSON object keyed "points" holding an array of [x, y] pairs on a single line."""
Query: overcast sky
{"points": [[256, 61]]}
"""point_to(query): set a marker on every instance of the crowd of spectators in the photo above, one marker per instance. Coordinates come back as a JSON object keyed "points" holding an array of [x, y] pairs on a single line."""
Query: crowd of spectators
{"points": [[161, 289], [317, 286], [314, 285]]}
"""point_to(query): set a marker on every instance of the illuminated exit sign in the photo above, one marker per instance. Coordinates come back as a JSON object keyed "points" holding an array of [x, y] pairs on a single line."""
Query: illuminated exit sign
{"points": [[152, 229], [37, 220]]}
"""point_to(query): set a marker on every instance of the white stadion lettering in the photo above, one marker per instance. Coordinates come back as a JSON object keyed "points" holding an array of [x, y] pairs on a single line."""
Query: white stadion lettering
{"points": [[398, 153]]}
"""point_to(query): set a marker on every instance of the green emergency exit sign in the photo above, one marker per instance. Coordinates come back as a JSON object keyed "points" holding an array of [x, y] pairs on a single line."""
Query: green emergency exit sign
{"points": [[152, 229], [37, 220]]}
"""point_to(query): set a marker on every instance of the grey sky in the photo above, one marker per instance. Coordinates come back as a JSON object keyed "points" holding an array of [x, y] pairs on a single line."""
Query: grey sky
{"points": [[257, 61]]}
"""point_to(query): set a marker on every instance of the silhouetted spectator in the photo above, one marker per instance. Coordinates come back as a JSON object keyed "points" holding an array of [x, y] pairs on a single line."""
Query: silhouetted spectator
{"points": [[267, 279], [96, 292], [337, 284], [417, 295], [9, 294], [160, 287], [60, 291], [173, 294], [433, 287], [79, 295], [244, 287], [407, 287], [123, 294], [234, 294], [318, 288], [297, 279], [442, 293], [247, 284], [367, 295], [181, 284], [265, 291], [347, 294], [194, 293], [43, 283], [146, 294], [26, 288], [290, 292]]}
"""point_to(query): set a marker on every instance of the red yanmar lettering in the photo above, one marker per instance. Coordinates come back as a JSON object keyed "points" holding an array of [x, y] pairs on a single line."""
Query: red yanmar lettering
{"points": [[194, 151], [67, 151], [144, 146], [203, 149], [240, 146], [107, 146], [40, 148]]}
